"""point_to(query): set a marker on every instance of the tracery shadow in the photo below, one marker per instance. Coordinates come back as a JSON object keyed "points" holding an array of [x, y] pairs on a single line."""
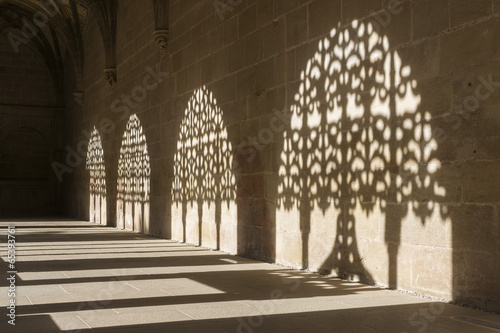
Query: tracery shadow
{"points": [[97, 188], [358, 150], [134, 176], [204, 186]]}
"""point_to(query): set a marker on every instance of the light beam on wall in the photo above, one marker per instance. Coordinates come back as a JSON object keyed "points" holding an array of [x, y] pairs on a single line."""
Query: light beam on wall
{"points": [[134, 173], [359, 152], [204, 186], [97, 170]]}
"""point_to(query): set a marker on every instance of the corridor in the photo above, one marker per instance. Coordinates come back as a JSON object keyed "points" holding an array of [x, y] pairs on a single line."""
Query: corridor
{"points": [[81, 277]]}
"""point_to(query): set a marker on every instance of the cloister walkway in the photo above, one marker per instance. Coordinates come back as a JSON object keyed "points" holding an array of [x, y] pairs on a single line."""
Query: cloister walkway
{"points": [[80, 277]]}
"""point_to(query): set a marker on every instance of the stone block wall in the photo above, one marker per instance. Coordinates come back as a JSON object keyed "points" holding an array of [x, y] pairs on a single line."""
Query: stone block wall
{"points": [[351, 137], [30, 134], [25, 79]]}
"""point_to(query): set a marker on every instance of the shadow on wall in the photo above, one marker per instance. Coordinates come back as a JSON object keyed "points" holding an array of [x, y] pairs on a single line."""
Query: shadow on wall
{"points": [[134, 174], [357, 161], [26, 186], [204, 186], [25, 155], [97, 170]]}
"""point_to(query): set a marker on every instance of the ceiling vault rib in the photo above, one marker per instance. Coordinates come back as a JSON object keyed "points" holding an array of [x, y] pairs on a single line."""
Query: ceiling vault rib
{"points": [[57, 28], [162, 23], [41, 25], [106, 12]]}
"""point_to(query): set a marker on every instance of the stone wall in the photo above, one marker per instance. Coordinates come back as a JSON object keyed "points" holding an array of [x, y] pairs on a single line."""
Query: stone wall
{"points": [[30, 126], [351, 137], [24, 78]]}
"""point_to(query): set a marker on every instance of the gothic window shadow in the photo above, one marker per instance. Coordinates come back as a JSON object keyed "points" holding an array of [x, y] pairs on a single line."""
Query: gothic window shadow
{"points": [[97, 188], [134, 173], [357, 159], [204, 186]]}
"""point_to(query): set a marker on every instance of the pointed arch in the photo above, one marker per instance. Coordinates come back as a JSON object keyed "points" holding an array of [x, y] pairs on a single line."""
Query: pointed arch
{"points": [[204, 185], [134, 173], [97, 170]]}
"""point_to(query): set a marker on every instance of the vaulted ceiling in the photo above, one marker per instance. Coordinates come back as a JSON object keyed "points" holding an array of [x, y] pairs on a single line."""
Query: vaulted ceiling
{"points": [[54, 29]]}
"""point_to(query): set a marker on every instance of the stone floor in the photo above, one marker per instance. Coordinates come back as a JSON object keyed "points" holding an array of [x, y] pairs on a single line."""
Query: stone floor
{"points": [[80, 277]]}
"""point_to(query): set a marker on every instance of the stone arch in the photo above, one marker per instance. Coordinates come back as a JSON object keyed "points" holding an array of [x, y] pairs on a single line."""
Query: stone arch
{"points": [[16, 162], [97, 182], [24, 155], [42, 127], [204, 185], [134, 174]]}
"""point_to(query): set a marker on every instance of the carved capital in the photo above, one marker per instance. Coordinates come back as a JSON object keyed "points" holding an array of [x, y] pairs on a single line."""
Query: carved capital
{"points": [[161, 39], [110, 76], [79, 97]]}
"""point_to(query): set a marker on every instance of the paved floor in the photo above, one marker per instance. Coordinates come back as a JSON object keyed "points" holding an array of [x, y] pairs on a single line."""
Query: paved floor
{"points": [[80, 277]]}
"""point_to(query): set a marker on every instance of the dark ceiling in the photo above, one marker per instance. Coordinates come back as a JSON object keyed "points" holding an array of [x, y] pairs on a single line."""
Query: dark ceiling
{"points": [[54, 28]]}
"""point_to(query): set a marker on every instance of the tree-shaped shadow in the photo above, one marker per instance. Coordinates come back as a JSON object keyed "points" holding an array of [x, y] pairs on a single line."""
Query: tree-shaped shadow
{"points": [[358, 148], [97, 170], [134, 174], [204, 186]]}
